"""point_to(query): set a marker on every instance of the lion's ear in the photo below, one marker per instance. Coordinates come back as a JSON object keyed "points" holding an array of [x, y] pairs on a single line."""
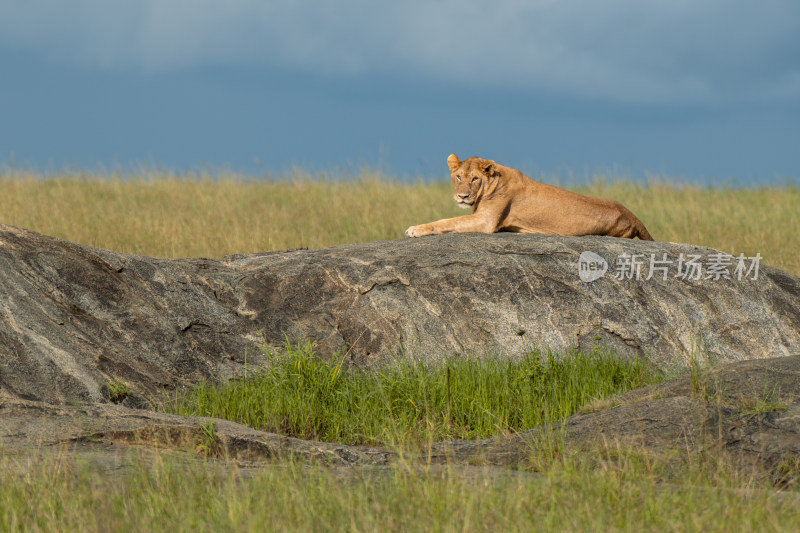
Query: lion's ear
{"points": [[453, 162], [487, 167]]}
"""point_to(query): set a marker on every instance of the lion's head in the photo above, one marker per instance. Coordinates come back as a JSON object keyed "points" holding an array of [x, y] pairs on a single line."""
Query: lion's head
{"points": [[469, 179]]}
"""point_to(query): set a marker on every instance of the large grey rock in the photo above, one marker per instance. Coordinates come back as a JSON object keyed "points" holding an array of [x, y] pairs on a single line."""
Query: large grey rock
{"points": [[99, 426], [72, 317]]}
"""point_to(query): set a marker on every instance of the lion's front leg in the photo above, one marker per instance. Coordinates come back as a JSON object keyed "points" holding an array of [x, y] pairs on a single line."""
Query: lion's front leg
{"points": [[466, 224]]}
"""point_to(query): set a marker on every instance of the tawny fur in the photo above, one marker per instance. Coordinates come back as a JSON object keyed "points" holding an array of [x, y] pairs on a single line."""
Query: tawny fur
{"points": [[504, 199]]}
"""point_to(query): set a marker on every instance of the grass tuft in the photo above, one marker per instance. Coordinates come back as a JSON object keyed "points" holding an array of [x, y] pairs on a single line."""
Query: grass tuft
{"points": [[409, 403], [117, 390]]}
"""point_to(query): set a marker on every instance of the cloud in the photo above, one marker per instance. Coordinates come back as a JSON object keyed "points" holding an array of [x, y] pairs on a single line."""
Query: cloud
{"points": [[627, 50]]}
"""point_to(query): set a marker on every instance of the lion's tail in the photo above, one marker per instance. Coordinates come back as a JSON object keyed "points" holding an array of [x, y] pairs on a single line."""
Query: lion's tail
{"points": [[642, 232]]}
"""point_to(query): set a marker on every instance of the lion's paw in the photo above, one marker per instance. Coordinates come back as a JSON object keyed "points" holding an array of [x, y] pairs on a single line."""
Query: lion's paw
{"points": [[416, 231]]}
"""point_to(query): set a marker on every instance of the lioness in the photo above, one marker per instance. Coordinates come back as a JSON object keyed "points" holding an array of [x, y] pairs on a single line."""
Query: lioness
{"points": [[504, 199]]}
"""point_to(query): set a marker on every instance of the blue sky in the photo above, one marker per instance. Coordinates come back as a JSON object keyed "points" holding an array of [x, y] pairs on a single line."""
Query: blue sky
{"points": [[704, 90]]}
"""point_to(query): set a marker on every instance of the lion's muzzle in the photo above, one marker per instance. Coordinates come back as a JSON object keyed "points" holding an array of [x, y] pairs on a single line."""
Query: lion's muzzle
{"points": [[463, 200]]}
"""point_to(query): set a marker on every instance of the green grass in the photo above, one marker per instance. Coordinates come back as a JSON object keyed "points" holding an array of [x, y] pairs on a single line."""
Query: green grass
{"points": [[117, 390], [408, 403]]}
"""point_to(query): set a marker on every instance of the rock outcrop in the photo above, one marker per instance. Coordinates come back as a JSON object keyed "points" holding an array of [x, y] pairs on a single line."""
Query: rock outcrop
{"points": [[745, 414], [72, 317], [75, 319]]}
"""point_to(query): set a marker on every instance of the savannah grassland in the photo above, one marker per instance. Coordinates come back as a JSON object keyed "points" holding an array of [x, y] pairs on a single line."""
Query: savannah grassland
{"points": [[190, 216], [196, 216]]}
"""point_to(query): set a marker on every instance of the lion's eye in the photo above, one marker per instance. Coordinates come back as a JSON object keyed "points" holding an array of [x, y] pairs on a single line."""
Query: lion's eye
{"points": [[474, 180]]}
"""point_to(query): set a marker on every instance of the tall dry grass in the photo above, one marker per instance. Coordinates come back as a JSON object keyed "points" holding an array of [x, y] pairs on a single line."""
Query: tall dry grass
{"points": [[169, 216], [194, 215], [615, 490]]}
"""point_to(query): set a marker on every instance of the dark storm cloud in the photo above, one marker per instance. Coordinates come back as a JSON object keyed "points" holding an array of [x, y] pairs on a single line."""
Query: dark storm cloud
{"points": [[683, 51]]}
